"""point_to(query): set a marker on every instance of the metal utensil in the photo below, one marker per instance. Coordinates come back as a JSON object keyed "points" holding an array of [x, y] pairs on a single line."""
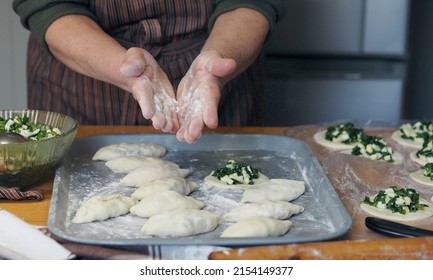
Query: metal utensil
{"points": [[394, 229], [11, 138]]}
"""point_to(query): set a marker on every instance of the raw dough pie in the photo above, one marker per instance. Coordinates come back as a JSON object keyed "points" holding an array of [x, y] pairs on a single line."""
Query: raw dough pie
{"points": [[102, 207], [394, 198], [320, 139], [181, 223], [257, 227], [125, 149]]}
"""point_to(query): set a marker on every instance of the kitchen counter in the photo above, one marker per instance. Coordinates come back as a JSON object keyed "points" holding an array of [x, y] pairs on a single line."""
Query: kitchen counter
{"points": [[352, 177]]}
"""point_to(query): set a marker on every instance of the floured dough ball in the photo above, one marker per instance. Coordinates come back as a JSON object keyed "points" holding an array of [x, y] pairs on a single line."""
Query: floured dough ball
{"points": [[398, 204], [179, 185], [125, 149], [102, 207], [163, 202], [126, 164], [279, 210], [141, 176], [257, 227], [181, 223], [274, 190]]}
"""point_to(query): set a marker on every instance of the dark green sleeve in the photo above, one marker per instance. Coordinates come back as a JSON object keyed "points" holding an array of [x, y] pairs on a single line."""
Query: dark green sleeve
{"points": [[37, 15], [273, 10]]}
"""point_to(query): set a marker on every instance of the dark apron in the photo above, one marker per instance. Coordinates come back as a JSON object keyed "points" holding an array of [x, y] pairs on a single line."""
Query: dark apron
{"points": [[173, 31]]}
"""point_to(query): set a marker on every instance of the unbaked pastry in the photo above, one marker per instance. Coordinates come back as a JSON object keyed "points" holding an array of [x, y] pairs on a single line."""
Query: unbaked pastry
{"points": [[125, 149], [214, 181], [126, 164], [340, 137], [374, 147], [416, 144], [179, 185], [279, 210], [396, 156], [102, 207], [414, 134], [143, 175], [418, 176], [320, 139], [424, 175], [425, 154], [257, 227], [163, 202], [181, 223], [389, 196], [387, 214], [274, 190]]}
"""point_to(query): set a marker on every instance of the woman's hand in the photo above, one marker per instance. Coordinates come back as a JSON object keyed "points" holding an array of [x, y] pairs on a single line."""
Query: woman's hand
{"points": [[198, 94], [83, 46], [151, 88]]}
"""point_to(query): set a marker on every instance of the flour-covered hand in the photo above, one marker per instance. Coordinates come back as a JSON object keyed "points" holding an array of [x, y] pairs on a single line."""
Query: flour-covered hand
{"points": [[151, 88], [199, 93]]}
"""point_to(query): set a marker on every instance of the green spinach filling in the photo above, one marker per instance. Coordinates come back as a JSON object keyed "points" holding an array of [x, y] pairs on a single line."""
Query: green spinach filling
{"points": [[402, 200], [235, 173], [426, 150], [345, 133], [419, 130], [428, 170], [373, 147], [31, 131]]}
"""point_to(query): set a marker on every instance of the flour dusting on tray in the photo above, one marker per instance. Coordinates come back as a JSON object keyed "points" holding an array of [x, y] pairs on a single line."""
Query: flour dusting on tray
{"points": [[278, 157]]}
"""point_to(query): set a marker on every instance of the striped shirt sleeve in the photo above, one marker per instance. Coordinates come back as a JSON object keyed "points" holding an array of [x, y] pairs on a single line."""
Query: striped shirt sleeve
{"points": [[273, 10], [37, 15]]}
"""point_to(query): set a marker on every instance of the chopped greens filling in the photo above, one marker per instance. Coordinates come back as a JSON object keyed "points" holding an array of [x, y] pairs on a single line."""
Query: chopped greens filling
{"points": [[402, 200], [31, 131], [235, 173], [418, 132], [428, 170], [426, 152], [345, 133], [373, 147]]}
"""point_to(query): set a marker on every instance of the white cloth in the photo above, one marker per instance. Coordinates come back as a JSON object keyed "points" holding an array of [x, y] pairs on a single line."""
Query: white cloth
{"points": [[20, 240]]}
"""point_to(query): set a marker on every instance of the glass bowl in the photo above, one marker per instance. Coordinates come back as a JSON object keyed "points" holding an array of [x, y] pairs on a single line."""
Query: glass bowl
{"points": [[26, 164]]}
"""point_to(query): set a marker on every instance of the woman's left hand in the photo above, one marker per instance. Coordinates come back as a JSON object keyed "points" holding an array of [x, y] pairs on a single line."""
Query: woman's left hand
{"points": [[198, 94], [151, 88]]}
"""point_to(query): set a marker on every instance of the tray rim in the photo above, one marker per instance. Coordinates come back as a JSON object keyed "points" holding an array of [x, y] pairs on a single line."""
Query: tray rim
{"points": [[227, 242]]}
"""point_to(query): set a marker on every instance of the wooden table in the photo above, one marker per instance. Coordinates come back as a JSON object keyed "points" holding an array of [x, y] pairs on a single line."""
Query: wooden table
{"points": [[359, 243]]}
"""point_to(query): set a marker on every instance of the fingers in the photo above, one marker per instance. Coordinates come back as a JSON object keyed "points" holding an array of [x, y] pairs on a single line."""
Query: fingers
{"points": [[151, 88], [155, 94], [193, 124], [210, 108], [196, 111], [165, 117], [192, 131], [143, 92]]}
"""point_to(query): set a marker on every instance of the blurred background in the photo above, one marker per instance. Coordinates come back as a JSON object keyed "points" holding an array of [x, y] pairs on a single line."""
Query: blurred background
{"points": [[328, 60]]}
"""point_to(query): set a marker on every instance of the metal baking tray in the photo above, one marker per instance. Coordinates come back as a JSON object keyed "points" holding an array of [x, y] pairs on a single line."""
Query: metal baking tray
{"points": [[79, 178]]}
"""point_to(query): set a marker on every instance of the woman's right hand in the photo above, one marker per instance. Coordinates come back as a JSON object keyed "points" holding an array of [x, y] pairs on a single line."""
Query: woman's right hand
{"points": [[81, 44], [151, 88]]}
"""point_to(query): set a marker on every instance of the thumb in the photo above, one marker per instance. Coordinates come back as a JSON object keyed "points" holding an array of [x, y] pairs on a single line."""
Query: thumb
{"points": [[133, 64], [221, 67]]}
